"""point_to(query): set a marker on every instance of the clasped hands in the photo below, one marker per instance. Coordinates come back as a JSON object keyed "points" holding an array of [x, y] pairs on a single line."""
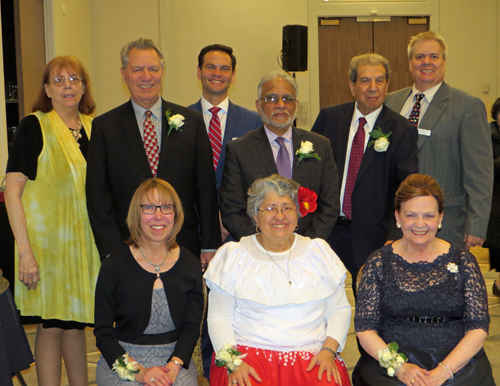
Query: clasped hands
{"points": [[324, 359], [155, 376], [412, 375]]}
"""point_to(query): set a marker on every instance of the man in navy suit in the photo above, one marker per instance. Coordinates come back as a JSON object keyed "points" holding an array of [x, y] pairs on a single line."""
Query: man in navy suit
{"points": [[118, 161], [367, 194], [217, 71]]}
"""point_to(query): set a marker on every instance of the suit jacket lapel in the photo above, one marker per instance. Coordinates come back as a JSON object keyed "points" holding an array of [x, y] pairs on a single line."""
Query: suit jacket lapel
{"points": [[233, 116], [370, 152], [165, 143], [297, 140], [433, 112], [343, 128], [264, 151], [128, 124]]}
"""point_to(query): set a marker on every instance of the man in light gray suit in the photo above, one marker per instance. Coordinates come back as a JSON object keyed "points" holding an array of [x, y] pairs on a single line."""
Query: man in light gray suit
{"points": [[454, 143]]}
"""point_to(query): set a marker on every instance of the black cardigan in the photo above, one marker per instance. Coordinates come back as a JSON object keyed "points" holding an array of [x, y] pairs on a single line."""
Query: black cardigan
{"points": [[123, 296]]}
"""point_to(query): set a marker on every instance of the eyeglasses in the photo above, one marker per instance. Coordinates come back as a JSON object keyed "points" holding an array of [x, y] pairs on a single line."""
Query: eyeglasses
{"points": [[274, 99], [59, 81], [151, 209], [272, 211]]}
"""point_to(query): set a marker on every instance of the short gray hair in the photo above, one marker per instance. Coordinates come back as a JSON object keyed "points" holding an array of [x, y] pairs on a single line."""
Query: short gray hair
{"points": [[276, 75], [141, 44], [368, 60], [424, 36], [260, 188]]}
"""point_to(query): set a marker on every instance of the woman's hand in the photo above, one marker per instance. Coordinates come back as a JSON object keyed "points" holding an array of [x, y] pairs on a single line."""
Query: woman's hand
{"points": [[241, 376], [28, 270], [438, 376], [154, 376], [412, 375], [326, 362], [173, 369]]}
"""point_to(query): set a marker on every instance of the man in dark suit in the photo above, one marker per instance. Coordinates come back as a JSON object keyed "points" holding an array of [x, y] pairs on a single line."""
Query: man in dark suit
{"points": [[454, 144], [255, 156], [178, 151], [369, 173], [217, 71]]}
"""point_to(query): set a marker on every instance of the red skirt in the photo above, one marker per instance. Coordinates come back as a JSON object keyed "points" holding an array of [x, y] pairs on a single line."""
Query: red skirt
{"points": [[277, 368]]}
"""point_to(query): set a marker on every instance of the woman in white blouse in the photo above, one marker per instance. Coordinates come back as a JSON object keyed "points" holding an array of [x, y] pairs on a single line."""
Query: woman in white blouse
{"points": [[278, 297]]}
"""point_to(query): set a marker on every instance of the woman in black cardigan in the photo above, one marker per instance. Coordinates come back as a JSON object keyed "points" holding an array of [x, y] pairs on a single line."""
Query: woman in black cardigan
{"points": [[149, 297]]}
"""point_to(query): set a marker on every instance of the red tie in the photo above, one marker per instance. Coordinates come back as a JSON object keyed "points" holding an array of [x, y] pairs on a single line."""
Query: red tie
{"points": [[415, 112], [150, 143], [357, 151], [214, 133]]}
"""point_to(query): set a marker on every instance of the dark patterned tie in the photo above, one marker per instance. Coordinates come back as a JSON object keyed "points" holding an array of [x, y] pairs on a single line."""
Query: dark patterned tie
{"points": [[415, 112], [283, 159], [355, 158], [150, 143], [214, 133]]}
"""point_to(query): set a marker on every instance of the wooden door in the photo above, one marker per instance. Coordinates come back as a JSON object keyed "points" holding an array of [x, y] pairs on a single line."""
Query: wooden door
{"points": [[340, 39]]}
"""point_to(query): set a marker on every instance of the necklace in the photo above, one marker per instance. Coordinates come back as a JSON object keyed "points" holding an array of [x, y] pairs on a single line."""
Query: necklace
{"points": [[427, 255], [76, 132], [279, 266], [157, 266]]}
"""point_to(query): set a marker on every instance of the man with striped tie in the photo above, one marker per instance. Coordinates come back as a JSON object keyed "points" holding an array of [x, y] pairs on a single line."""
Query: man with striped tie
{"points": [[454, 144]]}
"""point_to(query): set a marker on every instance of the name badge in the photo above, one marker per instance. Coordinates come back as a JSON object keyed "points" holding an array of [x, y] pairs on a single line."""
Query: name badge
{"points": [[424, 132]]}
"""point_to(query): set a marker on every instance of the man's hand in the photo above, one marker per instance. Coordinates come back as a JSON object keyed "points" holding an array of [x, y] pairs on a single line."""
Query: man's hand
{"points": [[205, 258], [473, 241]]}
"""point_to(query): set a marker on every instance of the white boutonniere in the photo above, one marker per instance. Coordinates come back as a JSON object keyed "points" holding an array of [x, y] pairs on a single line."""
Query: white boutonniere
{"points": [[390, 359], [452, 267], [229, 357], [126, 370], [174, 122], [381, 141], [306, 151]]}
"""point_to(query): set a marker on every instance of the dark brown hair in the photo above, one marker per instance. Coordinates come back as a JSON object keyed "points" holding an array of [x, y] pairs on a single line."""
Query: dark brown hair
{"points": [[418, 185], [71, 64], [166, 195]]}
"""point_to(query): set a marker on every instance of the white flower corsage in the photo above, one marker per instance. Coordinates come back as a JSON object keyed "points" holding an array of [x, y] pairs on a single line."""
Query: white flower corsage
{"points": [[126, 370], [306, 151], [390, 359], [452, 267], [381, 141], [229, 357], [174, 122]]}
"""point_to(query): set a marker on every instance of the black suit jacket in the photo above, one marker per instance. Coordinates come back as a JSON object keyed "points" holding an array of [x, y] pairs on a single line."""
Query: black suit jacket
{"points": [[379, 176], [251, 157], [118, 164]]}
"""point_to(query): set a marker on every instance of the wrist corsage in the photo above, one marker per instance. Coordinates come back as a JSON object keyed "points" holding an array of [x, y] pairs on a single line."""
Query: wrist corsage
{"points": [[174, 122], [380, 140], [229, 357], [390, 359], [307, 201], [126, 370], [306, 151]]}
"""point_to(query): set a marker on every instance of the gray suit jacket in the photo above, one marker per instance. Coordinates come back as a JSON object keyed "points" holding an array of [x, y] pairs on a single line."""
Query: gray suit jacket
{"points": [[251, 157], [458, 154]]}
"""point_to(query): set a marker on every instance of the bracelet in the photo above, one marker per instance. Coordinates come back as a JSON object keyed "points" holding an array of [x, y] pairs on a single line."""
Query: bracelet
{"points": [[447, 368], [176, 362], [329, 350], [126, 370]]}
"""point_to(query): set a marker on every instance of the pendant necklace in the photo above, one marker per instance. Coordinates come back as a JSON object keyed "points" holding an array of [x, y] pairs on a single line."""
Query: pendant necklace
{"points": [[157, 266], [279, 266], [429, 255]]}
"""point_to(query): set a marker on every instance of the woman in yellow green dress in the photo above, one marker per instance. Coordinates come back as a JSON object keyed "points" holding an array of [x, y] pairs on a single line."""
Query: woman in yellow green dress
{"points": [[56, 257]]}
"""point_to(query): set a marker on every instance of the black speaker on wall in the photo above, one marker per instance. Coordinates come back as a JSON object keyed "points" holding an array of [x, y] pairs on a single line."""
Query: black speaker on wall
{"points": [[294, 48]]}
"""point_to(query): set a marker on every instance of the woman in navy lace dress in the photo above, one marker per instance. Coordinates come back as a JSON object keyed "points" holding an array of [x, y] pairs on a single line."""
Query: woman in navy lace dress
{"points": [[426, 295]]}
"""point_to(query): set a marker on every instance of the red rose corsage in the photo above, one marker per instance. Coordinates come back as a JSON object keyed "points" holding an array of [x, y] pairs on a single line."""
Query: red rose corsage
{"points": [[307, 201]]}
